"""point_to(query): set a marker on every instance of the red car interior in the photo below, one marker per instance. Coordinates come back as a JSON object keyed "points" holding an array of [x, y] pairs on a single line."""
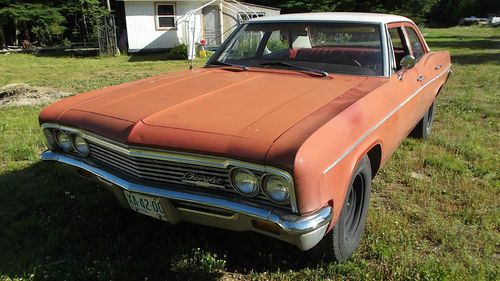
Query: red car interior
{"points": [[340, 55]]}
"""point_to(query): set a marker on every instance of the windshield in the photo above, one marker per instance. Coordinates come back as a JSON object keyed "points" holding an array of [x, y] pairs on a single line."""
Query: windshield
{"points": [[348, 48]]}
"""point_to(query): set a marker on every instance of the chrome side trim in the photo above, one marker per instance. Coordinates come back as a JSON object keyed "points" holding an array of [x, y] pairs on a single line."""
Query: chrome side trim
{"points": [[181, 157], [291, 224], [367, 133]]}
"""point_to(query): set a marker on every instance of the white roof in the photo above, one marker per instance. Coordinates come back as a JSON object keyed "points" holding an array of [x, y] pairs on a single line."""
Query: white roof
{"points": [[335, 16]]}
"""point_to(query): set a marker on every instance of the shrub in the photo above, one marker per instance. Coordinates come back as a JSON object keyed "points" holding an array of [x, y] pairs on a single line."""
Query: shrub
{"points": [[179, 52]]}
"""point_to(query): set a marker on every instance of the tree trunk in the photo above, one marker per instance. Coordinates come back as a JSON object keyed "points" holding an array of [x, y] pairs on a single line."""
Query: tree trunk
{"points": [[26, 32], [16, 34], [85, 29], [3, 44]]}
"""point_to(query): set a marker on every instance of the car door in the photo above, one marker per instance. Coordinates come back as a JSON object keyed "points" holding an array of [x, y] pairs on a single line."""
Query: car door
{"points": [[431, 66], [406, 82], [418, 49]]}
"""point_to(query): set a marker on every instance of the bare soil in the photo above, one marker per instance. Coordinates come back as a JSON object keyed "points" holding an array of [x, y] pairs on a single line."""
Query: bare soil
{"points": [[21, 94]]}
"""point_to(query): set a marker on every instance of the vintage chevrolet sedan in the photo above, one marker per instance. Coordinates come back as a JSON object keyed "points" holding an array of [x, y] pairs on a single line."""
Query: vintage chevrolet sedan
{"points": [[280, 133]]}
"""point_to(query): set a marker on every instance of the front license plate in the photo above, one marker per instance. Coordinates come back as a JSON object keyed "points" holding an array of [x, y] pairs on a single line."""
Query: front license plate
{"points": [[145, 204]]}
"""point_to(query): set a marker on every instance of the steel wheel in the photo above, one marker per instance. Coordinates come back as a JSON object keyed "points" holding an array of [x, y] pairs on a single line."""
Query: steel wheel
{"points": [[423, 129], [340, 243], [355, 206]]}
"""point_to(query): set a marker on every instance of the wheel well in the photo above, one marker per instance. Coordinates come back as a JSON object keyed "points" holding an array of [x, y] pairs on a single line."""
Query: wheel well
{"points": [[375, 156], [439, 90]]}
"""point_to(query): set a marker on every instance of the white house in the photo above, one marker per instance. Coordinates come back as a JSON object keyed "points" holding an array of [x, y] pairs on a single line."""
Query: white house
{"points": [[160, 25]]}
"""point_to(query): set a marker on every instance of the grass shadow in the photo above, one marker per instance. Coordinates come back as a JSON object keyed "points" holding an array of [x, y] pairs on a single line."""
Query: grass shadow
{"points": [[59, 226], [147, 57], [458, 37], [478, 44], [476, 58]]}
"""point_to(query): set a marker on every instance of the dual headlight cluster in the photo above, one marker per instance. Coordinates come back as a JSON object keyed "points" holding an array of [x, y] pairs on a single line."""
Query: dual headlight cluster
{"points": [[275, 187], [67, 142]]}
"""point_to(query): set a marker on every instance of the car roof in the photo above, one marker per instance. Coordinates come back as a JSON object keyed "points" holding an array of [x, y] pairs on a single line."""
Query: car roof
{"points": [[334, 17]]}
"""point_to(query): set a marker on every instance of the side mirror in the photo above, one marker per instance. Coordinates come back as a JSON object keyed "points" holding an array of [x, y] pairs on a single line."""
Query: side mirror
{"points": [[407, 62]]}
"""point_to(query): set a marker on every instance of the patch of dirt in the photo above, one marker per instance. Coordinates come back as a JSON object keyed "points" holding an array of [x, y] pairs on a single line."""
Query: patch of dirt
{"points": [[23, 94]]}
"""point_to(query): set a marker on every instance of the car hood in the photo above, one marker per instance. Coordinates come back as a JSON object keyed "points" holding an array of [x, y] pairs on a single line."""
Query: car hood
{"points": [[213, 111]]}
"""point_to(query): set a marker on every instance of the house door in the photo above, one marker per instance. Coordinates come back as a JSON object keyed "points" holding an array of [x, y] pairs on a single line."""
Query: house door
{"points": [[211, 26]]}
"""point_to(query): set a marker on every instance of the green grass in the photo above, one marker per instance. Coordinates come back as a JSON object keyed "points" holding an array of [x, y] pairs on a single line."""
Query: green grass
{"points": [[83, 74], [435, 210]]}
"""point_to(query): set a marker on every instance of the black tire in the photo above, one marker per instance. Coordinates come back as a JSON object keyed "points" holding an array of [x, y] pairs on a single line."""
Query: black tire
{"points": [[424, 126], [340, 243]]}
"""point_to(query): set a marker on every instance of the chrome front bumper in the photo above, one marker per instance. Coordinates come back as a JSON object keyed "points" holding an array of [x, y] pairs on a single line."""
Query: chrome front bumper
{"points": [[239, 215]]}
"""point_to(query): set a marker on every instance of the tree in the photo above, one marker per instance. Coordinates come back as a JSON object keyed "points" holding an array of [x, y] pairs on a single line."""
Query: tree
{"points": [[449, 12], [417, 10], [49, 21], [84, 15], [310, 6], [45, 22]]}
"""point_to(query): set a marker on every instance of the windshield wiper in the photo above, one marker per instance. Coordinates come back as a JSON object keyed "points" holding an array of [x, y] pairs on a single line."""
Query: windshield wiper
{"points": [[303, 68], [243, 67]]}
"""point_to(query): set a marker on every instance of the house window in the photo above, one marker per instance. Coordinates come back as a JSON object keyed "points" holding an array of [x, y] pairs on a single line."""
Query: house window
{"points": [[165, 16]]}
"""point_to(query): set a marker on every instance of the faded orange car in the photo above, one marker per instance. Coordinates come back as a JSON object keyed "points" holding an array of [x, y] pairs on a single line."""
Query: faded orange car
{"points": [[280, 133]]}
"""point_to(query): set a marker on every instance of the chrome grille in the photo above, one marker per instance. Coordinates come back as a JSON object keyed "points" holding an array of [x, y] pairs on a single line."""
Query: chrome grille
{"points": [[163, 166], [158, 170], [163, 171]]}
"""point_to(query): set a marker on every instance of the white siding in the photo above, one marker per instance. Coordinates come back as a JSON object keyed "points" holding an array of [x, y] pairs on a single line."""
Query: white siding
{"points": [[141, 29], [141, 24]]}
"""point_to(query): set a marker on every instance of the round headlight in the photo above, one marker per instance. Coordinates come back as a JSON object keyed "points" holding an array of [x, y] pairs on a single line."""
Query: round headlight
{"points": [[81, 146], [244, 181], [50, 139], [276, 188], [64, 141]]}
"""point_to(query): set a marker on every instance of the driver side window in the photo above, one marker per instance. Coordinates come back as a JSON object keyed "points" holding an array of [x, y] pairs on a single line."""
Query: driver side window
{"points": [[416, 45], [399, 45]]}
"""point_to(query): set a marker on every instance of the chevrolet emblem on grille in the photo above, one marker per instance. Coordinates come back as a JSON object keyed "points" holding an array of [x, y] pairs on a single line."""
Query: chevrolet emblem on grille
{"points": [[203, 180]]}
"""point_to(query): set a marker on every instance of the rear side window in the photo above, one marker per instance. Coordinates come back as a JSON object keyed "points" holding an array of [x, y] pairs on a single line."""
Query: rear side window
{"points": [[418, 49]]}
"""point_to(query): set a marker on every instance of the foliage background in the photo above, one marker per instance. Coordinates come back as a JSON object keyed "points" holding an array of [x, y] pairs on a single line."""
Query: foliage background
{"points": [[48, 22], [434, 12], [52, 22]]}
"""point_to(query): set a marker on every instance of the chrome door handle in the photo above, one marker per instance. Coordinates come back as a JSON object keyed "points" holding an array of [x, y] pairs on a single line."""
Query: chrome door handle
{"points": [[438, 66], [420, 78]]}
